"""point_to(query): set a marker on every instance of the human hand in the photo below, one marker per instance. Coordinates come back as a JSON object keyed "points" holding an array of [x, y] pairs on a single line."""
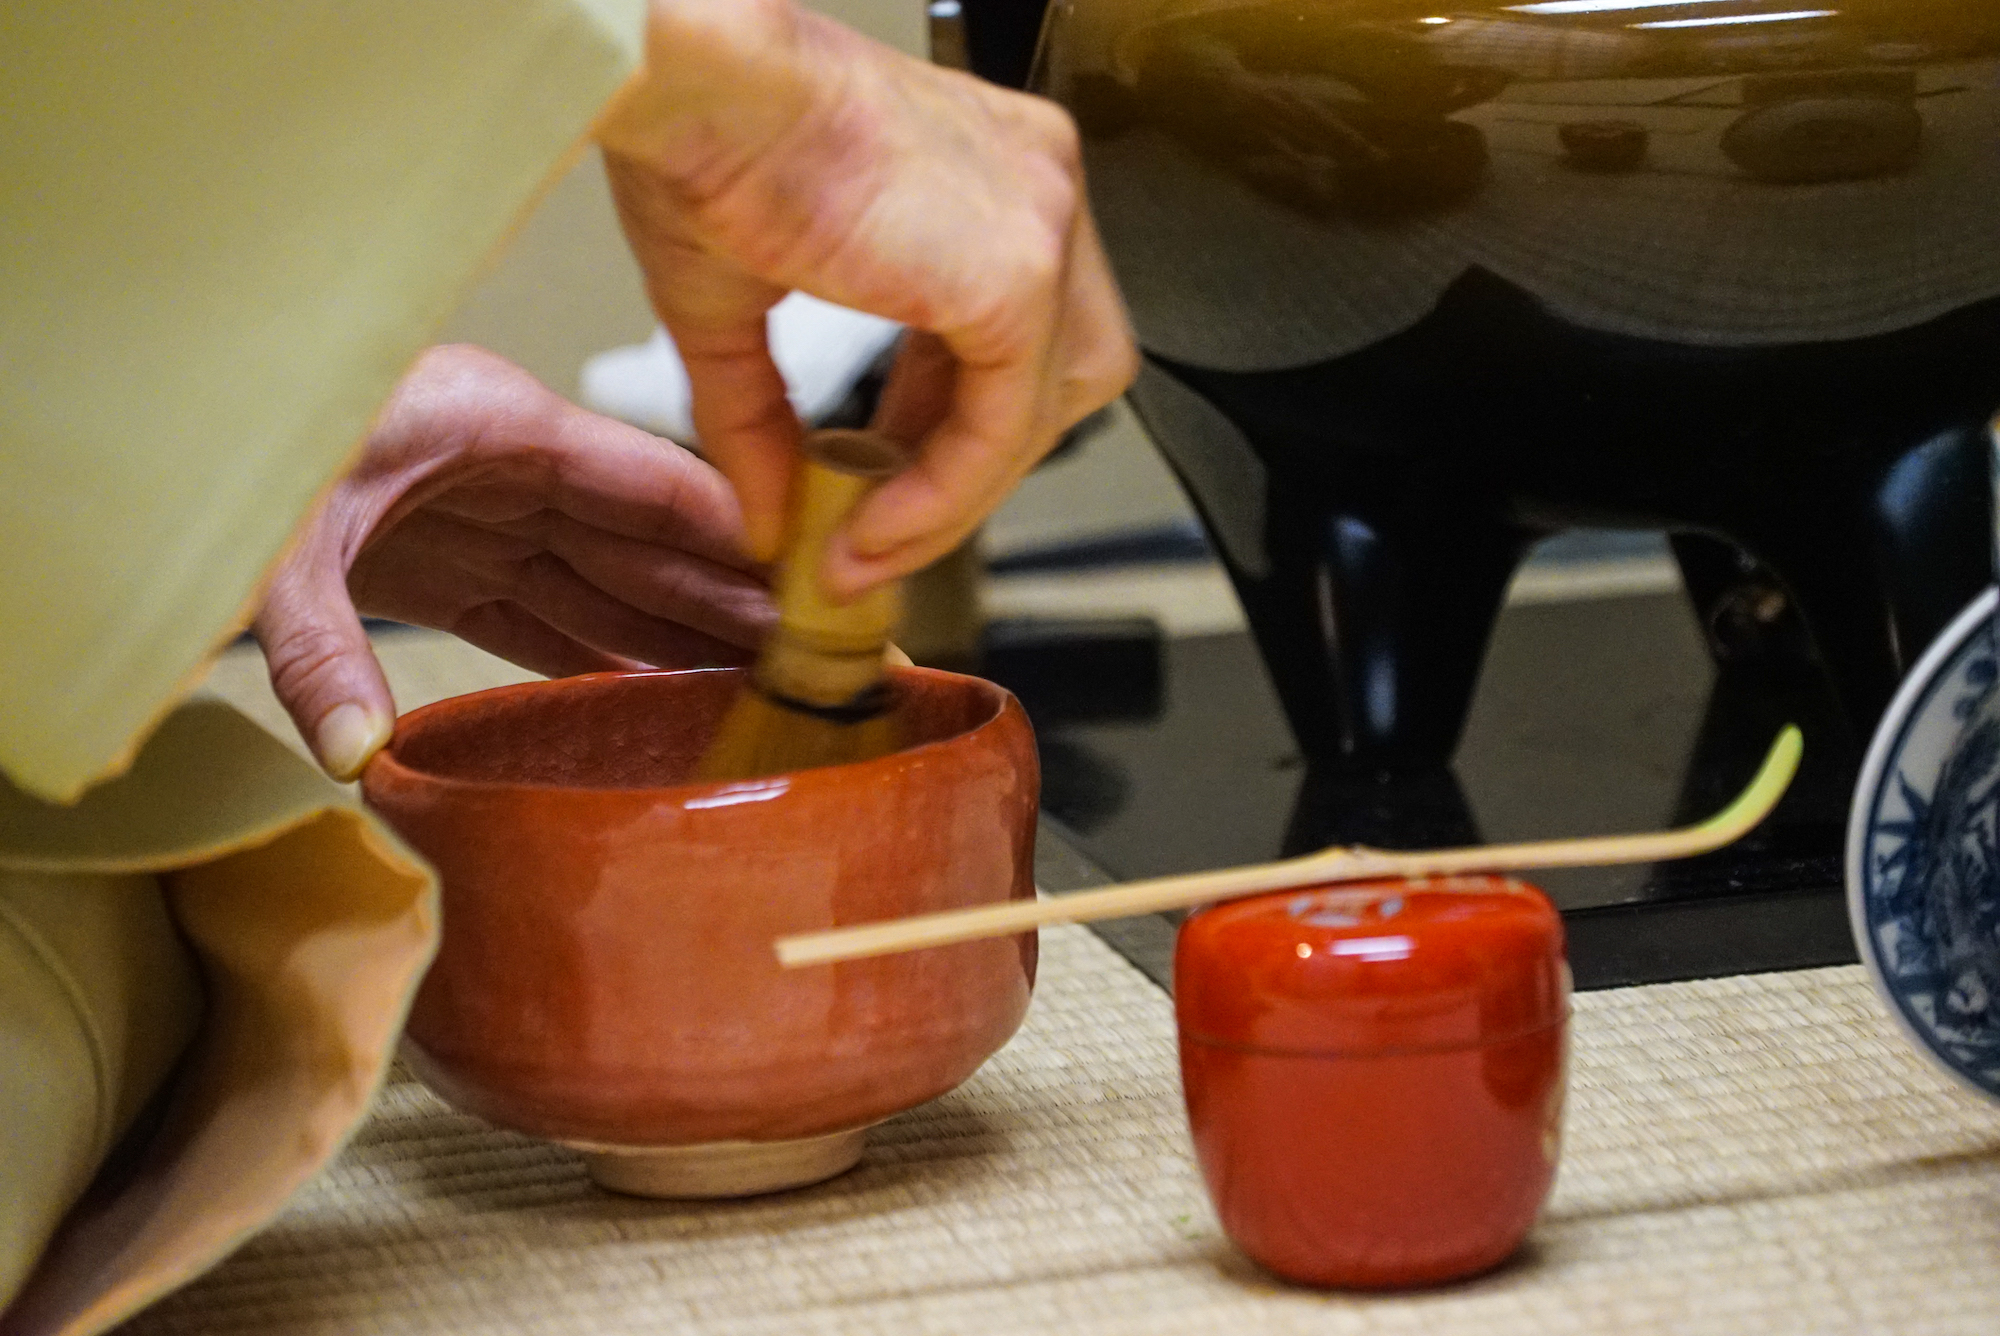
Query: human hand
{"points": [[486, 505], [766, 149]]}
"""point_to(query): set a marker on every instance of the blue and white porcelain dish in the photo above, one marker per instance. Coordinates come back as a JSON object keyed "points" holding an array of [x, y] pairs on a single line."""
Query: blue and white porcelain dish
{"points": [[1923, 852]]}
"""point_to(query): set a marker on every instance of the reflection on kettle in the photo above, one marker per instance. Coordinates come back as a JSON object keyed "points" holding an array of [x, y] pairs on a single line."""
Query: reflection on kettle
{"points": [[1418, 287], [1325, 117], [1846, 125], [1838, 126]]}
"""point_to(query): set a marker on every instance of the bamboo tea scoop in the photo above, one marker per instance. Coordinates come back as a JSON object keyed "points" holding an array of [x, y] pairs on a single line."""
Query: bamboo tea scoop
{"points": [[817, 694], [1328, 865]]}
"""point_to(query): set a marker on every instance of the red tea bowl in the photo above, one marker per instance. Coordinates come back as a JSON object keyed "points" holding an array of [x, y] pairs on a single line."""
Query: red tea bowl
{"points": [[1375, 1074], [606, 976]]}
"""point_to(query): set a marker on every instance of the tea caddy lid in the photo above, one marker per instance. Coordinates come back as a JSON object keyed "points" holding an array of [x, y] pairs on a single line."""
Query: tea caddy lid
{"points": [[1373, 968]]}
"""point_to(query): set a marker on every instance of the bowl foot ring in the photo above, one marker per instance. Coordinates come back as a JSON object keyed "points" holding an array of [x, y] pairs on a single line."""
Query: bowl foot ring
{"points": [[724, 1168]]}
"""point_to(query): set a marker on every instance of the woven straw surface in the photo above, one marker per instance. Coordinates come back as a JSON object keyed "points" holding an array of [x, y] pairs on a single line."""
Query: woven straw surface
{"points": [[1756, 1154]]}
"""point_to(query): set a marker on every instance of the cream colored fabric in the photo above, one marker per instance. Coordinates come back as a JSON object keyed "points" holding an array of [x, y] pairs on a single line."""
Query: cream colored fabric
{"points": [[97, 999], [1745, 1155], [229, 225], [310, 927]]}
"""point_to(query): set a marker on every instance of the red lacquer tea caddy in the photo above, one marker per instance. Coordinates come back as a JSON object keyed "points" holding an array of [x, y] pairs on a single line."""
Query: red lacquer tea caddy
{"points": [[1375, 1074]]}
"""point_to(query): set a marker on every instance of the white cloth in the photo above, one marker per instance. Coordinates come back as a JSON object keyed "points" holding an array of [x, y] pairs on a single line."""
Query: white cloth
{"points": [[821, 349]]}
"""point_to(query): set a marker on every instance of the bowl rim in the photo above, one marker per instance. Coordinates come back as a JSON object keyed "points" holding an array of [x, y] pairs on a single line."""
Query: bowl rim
{"points": [[388, 767], [1912, 698]]}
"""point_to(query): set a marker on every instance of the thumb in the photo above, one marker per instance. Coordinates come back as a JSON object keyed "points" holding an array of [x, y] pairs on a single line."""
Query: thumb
{"points": [[322, 666]]}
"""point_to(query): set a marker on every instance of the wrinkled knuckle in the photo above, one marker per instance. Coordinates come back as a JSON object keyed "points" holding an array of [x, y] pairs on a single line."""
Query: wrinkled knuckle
{"points": [[538, 573], [465, 370], [1060, 139], [303, 662], [1121, 367], [1098, 375], [462, 396], [1050, 130], [858, 122], [675, 592], [996, 322], [1062, 201], [452, 359], [1040, 256], [542, 527]]}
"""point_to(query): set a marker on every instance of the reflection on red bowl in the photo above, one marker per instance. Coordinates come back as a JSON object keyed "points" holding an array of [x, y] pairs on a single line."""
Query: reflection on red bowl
{"points": [[1374, 1074], [606, 976]]}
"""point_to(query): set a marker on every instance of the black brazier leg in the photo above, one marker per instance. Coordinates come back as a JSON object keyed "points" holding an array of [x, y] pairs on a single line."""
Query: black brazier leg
{"points": [[1748, 614], [1370, 597], [1932, 522], [1878, 544], [1388, 607], [1371, 505]]}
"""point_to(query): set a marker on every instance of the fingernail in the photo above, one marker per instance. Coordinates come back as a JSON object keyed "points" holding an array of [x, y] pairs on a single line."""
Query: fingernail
{"points": [[348, 736]]}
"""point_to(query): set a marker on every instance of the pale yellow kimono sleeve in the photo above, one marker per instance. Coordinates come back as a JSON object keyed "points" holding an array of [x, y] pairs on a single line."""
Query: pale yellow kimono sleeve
{"points": [[223, 926], [226, 226]]}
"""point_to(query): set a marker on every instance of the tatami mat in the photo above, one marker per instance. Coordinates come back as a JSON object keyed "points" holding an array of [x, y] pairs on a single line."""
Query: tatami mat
{"points": [[1762, 1154]]}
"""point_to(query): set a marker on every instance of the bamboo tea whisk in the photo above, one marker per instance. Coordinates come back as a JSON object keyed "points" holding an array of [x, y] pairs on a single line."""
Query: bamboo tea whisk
{"points": [[817, 694]]}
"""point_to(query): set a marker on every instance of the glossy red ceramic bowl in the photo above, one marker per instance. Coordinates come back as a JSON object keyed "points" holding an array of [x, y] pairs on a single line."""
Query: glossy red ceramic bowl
{"points": [[1374, 1074], [606, 976]]}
